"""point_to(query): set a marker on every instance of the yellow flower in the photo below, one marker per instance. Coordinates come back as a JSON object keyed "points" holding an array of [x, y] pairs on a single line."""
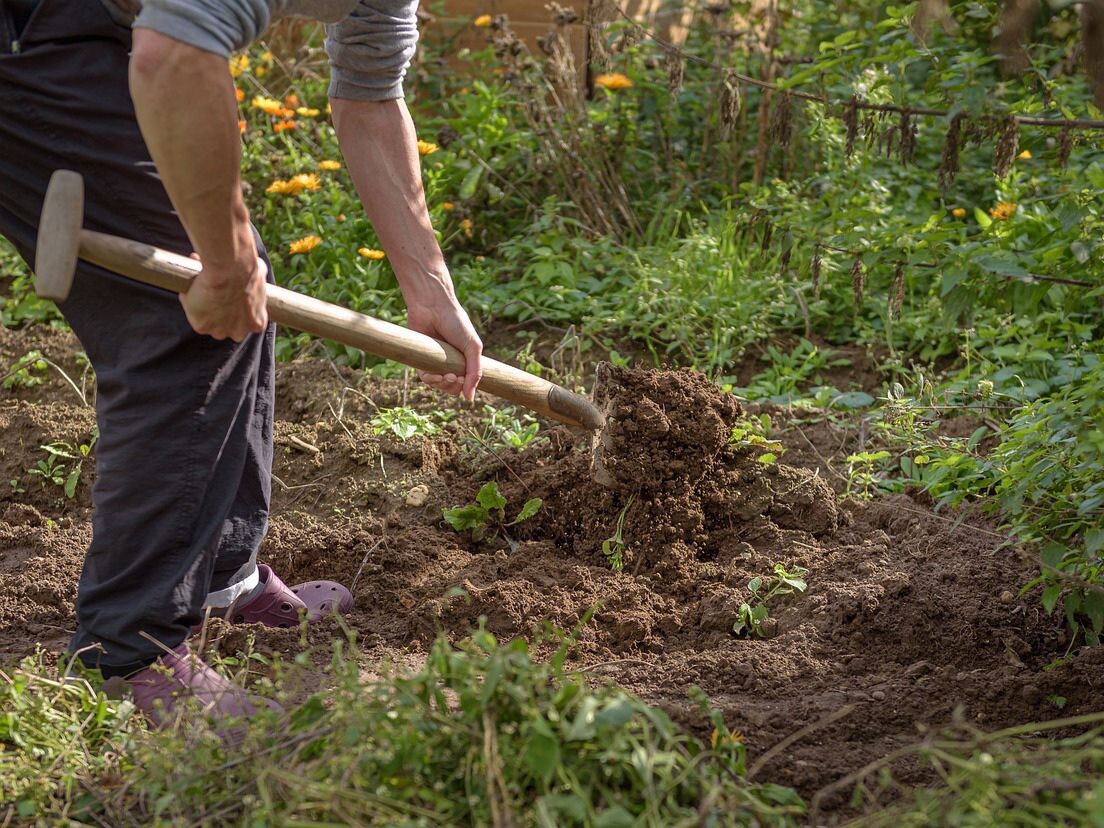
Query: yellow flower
{"points": [[426, 148], [307, 181], [371, 253], [329, 109], [267, 105], [329, 166], [447, 206], [266, 57], [294, 185], [1003, 211], [307, 112], [305, 244], [260, 71], [482, 21], [467, 226], [613, 81], [282, 125], [959, 212], [1025, 155], [239, 64]]}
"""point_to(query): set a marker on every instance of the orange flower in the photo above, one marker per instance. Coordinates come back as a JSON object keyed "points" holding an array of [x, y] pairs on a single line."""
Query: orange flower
{"points": [[447, 206], [329, 166], [482, 21], [305, 244], [426, 148], [241, 127], [283, 125], [613, 81], [239, 94], [294, 185], [467, 226], [291, 100], [307, 181], [959, 212], [1003, 211], [371, 253]]}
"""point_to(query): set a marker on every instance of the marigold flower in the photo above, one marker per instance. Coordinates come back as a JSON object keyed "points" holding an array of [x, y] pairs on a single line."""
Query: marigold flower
{"points": [[329, 166], [1003, 211], [426, 148], [1025, 155], [291, 100], [239, 94], [269, 106], [613, 81], [238, 65], [281, 187], [307, 112], [447, 206], [467, 226], [307, 181], [482, 21], [241, 127], [283, 125], [266, 57], [959, 212], [305, 244], [371, 253], [260, 71]]}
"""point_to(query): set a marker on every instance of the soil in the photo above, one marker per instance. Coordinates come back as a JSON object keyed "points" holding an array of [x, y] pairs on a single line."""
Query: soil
{"points": [[912, 619]]}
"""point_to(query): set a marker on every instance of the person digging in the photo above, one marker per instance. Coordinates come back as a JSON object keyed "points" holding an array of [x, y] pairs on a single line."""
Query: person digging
{"points": [[137, 98]]}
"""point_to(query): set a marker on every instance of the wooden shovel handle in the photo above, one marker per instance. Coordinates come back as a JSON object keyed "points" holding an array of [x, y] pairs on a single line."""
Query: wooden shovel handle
{"points": [[148, 264]]}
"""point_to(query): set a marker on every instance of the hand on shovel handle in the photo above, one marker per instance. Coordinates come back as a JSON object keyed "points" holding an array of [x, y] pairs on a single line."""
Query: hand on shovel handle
{"points": [[62, 241]]}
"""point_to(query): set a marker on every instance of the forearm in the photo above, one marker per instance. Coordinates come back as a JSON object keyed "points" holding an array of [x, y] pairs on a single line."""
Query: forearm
{"points": [[184, 101], [381, 150]]}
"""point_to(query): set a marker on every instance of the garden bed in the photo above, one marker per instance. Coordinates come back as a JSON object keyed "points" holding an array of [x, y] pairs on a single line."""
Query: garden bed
{"points": [[911, 619]]}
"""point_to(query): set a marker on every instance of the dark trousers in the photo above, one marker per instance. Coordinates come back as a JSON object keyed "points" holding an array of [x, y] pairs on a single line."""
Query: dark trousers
{"points": [[183, 463]]}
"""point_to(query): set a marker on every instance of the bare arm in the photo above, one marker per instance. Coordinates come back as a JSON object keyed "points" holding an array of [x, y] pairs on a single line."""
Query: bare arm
{"points": [[184, 100], [380, 147]]}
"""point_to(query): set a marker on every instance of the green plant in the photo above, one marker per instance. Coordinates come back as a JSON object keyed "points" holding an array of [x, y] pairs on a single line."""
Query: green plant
{"points": [[861, 475], [403, 422], [753, 612], [613, 547], [487, 516], [782, 381], [754, 434], [63, 463], [27, 372]]}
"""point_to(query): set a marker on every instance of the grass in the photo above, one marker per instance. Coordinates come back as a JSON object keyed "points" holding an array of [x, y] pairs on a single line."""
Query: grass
{"points": [[482, 734]]}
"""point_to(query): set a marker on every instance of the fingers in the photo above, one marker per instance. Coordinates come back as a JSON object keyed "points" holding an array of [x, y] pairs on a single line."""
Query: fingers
{"points": [[448, 383], [473, 369]]}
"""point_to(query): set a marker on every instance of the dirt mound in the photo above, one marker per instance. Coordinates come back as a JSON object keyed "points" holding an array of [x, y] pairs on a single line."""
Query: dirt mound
{"points": [[909, 618]]}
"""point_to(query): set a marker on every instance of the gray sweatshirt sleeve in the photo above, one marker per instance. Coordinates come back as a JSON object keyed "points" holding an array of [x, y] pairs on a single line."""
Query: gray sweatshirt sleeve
{"points": [[219, 26], [371, 49]]}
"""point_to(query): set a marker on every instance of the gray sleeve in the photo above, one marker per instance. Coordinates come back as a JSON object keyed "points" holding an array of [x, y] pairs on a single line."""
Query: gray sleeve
{"points": [[371, 49], [219, 26]]}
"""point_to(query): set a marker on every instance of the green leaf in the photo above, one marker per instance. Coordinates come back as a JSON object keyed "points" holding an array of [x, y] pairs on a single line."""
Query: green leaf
{"points": [[583, 727], [531, 507], [614, 817], [542, 751], [466, 517], [1050, 597], [853, 399], [754, 584], [617, 713], [490, 498], [470, 182], [72, 481], [1053, 554], [982, 217]]}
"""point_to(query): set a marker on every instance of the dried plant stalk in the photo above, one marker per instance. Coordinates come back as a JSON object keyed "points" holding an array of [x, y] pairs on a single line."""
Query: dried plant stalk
{"points": [[674, 64], [729, 101], [897, 292], [1008, 143], [858, 281], [782, 120], [906, 147], [1065, 146], [818, 263], [952, 145]]}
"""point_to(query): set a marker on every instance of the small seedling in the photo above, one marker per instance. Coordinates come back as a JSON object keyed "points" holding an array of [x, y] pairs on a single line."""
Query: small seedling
{"points": [[487, 516], [753, 612], [613, 547], [63, 463], [403, 422], [860, 472], [27, 372], [754, 432]]}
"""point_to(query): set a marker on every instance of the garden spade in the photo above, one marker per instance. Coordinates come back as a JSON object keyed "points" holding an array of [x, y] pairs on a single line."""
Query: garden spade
{"points": [[62, 240]]}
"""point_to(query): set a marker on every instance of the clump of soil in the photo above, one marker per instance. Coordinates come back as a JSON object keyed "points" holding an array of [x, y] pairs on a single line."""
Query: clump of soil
{"points": [[910, 618]]}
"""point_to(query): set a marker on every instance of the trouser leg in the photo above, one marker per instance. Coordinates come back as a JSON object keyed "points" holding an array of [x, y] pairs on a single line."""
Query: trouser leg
{"points": [[181, 495]]}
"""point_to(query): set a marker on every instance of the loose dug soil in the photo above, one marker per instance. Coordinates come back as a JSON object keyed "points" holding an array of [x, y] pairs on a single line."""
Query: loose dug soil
{"points": [[910, 617]]}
